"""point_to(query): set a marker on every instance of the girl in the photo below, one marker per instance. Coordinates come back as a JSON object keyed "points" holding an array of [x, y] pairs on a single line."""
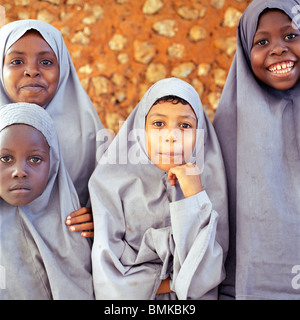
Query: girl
{"points": [[41, 258], [149, 230], [257, 123], [37, 68]]}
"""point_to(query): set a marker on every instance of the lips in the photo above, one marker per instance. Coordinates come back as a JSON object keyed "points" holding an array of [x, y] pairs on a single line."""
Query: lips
{"points": [[33, 86], [282, 67], [19, 188]]}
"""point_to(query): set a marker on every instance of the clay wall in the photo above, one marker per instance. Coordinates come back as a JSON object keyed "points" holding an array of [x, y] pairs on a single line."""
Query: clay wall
{"points": [[121, 47]]}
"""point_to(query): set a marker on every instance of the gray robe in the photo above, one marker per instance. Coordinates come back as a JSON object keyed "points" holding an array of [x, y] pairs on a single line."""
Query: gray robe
{"points": [[39, 257], [75, 118], [258, 130], [145, 230]]}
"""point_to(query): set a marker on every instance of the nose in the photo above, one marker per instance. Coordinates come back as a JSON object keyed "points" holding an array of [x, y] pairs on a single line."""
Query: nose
{"points": [[31, 71], [279, 48], [171, 136], [19, 170]]}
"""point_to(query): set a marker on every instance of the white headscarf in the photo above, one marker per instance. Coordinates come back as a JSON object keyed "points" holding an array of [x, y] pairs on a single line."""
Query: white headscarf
{"points": [[42, 259], [131, 199], [258, 130], [74, 116]]}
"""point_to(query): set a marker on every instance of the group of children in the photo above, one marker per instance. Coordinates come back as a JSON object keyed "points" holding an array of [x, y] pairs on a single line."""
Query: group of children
{"points": [[178, 207]]}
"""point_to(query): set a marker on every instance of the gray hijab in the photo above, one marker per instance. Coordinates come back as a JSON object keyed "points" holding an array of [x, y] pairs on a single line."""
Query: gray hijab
{"points": [[74, 116], [258, 130], [41, 258], [131, 201]]}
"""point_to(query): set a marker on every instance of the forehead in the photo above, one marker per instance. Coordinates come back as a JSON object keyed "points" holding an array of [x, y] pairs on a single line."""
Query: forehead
{"points": [[22, 136], [171, 110], [269, 16]]}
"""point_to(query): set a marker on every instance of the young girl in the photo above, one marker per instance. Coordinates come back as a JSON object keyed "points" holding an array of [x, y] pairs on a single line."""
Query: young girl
{"points": [[158, 234], [37, 68], [257, 123], [41, 258]]}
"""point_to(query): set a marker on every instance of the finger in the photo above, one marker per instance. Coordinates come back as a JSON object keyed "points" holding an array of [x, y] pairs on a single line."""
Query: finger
{"points": [[82, 227], [86, 234], [80, 219], [79, 212]]}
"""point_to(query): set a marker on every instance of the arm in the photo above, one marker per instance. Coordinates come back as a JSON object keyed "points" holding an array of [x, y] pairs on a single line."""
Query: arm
{"points": [[198, 257]]}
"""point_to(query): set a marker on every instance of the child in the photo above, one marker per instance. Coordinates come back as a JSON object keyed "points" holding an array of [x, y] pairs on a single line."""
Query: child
{"points": [[257, 123], [149, 230], [37, 68], [42, 259]]}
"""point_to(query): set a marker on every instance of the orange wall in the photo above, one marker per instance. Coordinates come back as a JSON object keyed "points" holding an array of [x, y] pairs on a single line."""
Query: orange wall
{"points": [[120, 47]]}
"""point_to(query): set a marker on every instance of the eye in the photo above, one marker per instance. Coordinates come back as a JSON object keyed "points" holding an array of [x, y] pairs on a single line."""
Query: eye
{"points": [[158, 124], [16, 62], [290, 36], [262, 42], [6, 159], [35, 160], [185, 125], [46, 62]]}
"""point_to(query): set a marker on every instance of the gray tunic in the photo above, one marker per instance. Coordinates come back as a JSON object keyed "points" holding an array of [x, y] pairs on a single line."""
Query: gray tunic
{"points": [[39, 257], [145, 230], [258, 129]]}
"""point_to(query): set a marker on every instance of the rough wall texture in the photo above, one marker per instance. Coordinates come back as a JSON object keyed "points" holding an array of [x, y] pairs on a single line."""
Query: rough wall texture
{"points": [[121, 47]]}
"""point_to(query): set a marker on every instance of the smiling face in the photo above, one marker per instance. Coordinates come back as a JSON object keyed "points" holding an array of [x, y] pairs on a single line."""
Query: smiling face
{"points": [[275, 54], [24, 164], [30, 70], [170, 134]]}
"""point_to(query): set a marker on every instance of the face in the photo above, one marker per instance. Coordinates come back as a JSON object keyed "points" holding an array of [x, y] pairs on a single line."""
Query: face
{"points": [[30, 70], [170, 134], [275, 52], [24, 164]]}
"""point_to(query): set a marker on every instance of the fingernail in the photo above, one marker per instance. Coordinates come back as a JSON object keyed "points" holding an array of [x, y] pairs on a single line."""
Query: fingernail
{"points": [[72, 228]]}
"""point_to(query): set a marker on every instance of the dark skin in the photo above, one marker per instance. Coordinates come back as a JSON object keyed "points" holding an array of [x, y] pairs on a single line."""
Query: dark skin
{"points": [[81, 220], [31, 74], [275, 53]]}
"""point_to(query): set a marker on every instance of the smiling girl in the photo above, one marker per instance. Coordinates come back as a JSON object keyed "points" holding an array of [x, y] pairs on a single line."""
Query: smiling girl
{"points": [[257, 123], [37, 68]]}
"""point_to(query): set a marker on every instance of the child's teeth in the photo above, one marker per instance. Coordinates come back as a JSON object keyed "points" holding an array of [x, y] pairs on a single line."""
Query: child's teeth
{"points": [[282, 68]]}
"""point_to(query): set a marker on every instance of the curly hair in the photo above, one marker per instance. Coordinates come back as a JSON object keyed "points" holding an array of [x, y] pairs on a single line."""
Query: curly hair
{"points": [[172, 99]]}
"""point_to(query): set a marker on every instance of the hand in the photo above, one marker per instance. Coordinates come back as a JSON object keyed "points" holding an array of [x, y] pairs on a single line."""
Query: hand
{"points": [[81, 220], [164, 286], [188, 176]]}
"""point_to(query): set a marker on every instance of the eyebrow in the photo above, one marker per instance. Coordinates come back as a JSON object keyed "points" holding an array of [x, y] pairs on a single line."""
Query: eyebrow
{"points": [[282, 29], [157, 114], [41, 53], [33, 150]]}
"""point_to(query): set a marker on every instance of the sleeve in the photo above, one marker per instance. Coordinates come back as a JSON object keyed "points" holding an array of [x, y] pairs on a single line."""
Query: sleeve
{"points": [[119, 270], [198, 257]]}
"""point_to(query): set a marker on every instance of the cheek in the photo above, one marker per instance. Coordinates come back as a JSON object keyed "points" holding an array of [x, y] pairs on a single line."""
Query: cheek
{"points": [[257, 61], [9, 79]]}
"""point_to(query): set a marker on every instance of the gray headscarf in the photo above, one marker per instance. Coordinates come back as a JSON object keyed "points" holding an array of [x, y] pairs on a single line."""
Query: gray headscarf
{"points": [[74, 116], [41, 258], [258, 130], [139, 217]]}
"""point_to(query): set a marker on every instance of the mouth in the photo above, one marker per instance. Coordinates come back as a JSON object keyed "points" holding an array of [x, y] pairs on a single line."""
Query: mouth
{"points": [[19, 189], [170, 154], [281, 68], [33, 87]]}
